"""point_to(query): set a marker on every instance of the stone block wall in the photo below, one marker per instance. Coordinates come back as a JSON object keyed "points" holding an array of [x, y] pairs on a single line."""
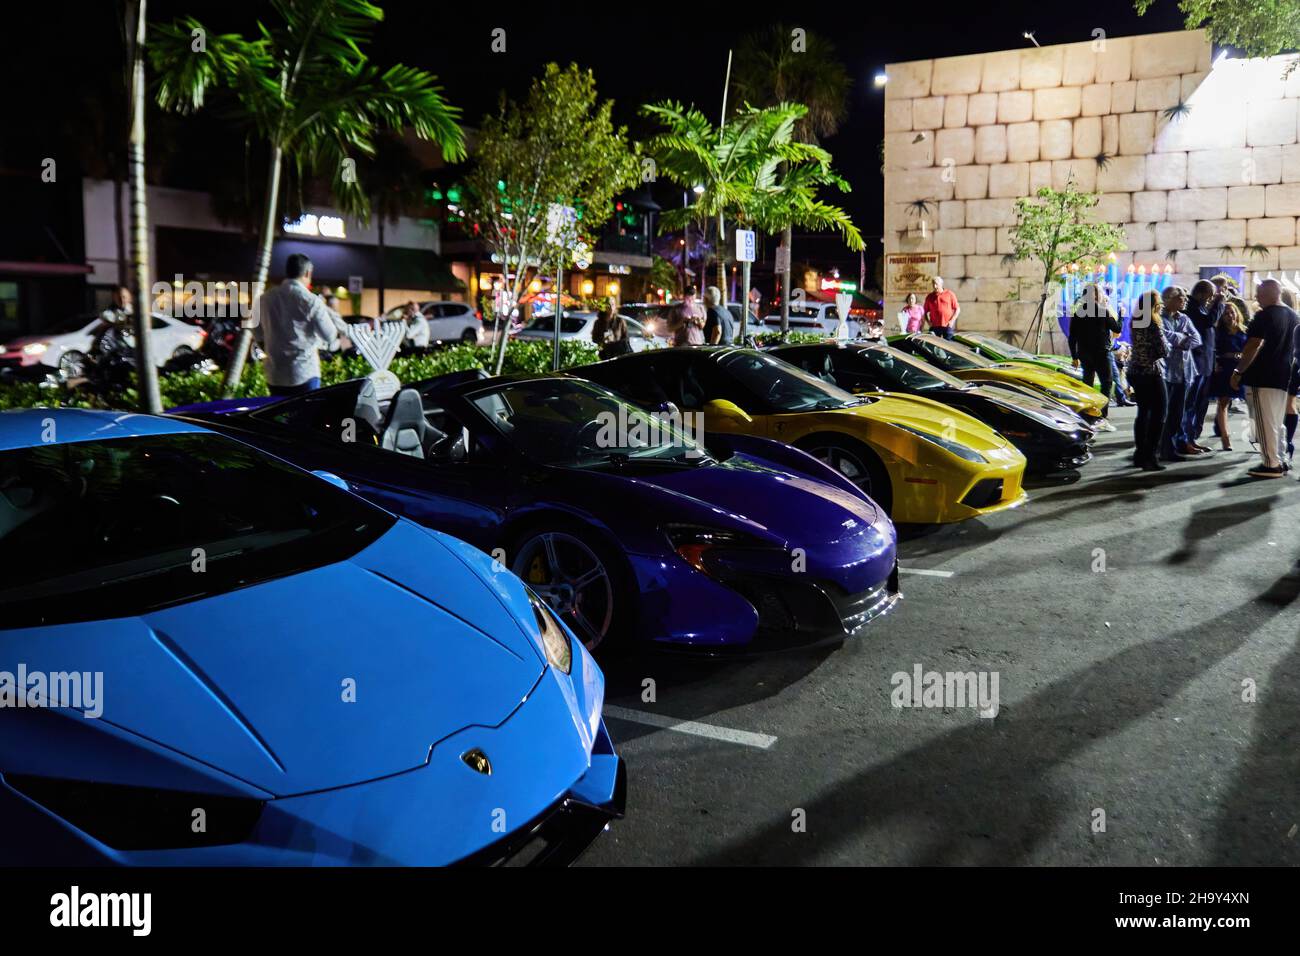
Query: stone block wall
{"points": [[1192, 157]]}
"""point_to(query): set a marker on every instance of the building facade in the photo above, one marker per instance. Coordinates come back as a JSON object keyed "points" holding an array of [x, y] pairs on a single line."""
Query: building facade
{"points": [[1195, 155]]}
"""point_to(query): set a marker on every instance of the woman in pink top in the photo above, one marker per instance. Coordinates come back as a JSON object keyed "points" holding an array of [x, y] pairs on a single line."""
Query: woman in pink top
{"points": [[913, 312]]}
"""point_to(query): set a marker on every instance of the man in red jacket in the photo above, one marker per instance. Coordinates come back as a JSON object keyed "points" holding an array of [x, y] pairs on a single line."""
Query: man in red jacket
{"points": [[941, 310]]}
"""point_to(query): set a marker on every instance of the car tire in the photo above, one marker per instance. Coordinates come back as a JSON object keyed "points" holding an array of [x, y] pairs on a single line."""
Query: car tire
{"points": [[596, 611], [469, 337], [72, 364], [856, 462]]}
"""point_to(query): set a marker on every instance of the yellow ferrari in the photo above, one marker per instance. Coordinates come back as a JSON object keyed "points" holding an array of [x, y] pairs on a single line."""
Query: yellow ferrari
{"points": [[966, 364], [921, 461]]}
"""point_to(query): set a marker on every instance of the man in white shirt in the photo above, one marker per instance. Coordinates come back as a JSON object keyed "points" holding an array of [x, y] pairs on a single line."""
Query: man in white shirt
{"points": [[292, 325], [417, 327]]}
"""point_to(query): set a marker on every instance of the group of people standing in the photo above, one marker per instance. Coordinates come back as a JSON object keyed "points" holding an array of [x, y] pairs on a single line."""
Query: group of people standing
{"points": [[1189, 348]]}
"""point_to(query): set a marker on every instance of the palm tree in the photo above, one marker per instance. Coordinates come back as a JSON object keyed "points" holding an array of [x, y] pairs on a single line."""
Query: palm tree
{"points": [[307, 89], [720, 164], [135, 27], [769, 70], [785, 189]]}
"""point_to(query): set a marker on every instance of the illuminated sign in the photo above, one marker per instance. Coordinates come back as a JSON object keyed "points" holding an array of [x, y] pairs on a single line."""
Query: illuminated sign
{"points": [[839, 285], [330, 227]]}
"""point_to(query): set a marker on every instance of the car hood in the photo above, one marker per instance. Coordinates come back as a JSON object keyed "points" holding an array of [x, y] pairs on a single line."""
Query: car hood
{"points": [[335, 676], [768, 500], [931, 418]]}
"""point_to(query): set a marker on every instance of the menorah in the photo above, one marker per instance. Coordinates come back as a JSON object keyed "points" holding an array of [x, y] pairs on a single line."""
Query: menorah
{"points": [[378, 346]]}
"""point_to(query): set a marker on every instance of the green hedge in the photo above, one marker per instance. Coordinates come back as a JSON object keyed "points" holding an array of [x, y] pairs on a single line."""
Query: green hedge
{"points": [[184, 388]]}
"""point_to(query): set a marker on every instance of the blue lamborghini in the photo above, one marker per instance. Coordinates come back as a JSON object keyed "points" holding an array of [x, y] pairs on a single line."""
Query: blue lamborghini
{"points": [[211, 657]]}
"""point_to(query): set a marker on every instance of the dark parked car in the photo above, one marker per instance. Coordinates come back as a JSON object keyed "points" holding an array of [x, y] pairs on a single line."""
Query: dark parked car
{"points": [[1051, 437]]}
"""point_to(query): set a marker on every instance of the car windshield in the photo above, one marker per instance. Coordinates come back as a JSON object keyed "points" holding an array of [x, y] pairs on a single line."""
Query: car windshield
{"points": [[998, 347], [576, 424], [784, 387], [104, 529], [950, 356], [906, 372]]}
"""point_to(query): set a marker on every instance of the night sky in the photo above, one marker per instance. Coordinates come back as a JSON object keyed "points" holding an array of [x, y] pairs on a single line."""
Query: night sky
{"points": [[640, 53]]}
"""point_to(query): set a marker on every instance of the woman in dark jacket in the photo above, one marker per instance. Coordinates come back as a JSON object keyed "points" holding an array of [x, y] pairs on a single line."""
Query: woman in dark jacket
{"points": [[1093, 325], [1146, 375]]}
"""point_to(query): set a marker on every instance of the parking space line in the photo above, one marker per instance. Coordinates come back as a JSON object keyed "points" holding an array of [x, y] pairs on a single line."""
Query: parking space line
{"points": [[726, 734], [927, 571]]}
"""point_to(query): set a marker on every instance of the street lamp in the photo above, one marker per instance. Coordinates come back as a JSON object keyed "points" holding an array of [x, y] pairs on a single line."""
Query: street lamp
{"points": [[880, 79], [698, 189]]}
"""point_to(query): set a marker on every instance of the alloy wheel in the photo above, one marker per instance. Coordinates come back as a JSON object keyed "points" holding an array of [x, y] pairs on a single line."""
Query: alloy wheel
{"points": [[572, 579]]}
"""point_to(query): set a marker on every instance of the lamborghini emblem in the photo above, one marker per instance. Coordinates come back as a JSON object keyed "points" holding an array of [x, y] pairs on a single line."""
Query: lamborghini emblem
{"points": [[477, 761]]}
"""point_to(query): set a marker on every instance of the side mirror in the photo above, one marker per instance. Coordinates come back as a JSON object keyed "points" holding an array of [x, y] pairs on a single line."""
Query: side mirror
{"points": [[333, 479], [724, 411]]}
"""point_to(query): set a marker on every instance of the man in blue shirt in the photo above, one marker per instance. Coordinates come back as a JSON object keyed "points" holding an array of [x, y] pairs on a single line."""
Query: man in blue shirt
{"points": [[1183, 340], [1204, 310]]}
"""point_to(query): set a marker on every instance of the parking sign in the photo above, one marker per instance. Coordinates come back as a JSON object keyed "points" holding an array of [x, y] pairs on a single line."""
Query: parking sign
{"points": [[744, 245]]}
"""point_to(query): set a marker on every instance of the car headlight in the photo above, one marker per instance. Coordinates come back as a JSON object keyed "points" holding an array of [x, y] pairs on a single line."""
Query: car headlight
{"points": [[36, 348], [693, 542], [555, 639], [956, 448]]}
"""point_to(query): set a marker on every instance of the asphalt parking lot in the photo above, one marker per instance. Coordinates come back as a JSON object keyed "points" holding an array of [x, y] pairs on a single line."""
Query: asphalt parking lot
{"points": [[1148, 713]]}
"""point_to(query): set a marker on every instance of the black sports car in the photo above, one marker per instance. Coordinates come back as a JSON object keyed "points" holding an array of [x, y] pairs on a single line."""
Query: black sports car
{"points": [[1049, 435]]}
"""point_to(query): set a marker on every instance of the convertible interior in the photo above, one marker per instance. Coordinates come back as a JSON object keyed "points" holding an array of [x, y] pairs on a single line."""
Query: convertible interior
{"points": [[407, 425]]}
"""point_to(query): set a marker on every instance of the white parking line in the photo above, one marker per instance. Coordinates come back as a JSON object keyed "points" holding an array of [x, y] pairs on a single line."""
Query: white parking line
{"points": [[927, 571], [726, 734]]}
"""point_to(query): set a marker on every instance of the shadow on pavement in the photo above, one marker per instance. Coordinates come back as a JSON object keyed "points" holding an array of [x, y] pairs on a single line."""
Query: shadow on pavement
{"points": [[1207, 522], [1257, 824], [984, 794]]}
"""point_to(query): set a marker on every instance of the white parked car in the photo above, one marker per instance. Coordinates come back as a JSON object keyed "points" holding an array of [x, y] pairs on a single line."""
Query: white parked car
{"points": [[820, 318], [578, 325], [448, 321], [64, 347]]}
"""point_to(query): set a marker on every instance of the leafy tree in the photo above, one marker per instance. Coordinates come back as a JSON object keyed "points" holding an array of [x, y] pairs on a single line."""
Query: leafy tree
{"points": [[785, 64], [1257, 27], [1053, 228], [306, 88], [557, 148]]}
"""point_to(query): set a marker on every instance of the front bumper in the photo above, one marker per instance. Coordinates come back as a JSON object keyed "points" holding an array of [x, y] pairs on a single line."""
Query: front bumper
{"points": [[796, 613], [563, 831]]}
